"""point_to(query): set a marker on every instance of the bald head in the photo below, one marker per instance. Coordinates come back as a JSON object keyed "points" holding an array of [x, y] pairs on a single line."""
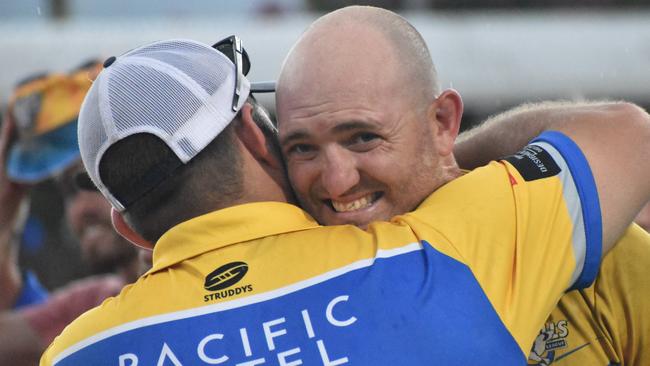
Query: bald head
{"points": [[361, 44], [360, 118]]}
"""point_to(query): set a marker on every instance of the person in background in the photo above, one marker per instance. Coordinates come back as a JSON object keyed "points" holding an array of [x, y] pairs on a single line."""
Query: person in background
{"points": [[39, 141], [353, 157], [21, 287]]}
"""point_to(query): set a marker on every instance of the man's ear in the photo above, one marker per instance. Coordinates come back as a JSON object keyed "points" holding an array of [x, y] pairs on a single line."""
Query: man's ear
{"points": [[446, 112], [253, 138], [122, 228]]}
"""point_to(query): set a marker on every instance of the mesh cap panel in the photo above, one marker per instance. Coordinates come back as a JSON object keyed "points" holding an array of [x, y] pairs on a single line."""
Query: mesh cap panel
{"points": [[179, 90]]}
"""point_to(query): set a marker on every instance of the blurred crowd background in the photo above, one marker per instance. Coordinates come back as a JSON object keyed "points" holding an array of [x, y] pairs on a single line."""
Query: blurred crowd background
{"points": [[495, 53]]}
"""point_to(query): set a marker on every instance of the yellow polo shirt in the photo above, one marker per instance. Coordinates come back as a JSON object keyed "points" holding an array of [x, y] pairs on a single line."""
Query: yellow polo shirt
{"points": [[607, 323], [466, 279]]}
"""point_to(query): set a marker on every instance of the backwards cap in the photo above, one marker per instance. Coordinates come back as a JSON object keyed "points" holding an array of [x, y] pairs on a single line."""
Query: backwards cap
{"points": [[181, 91]]}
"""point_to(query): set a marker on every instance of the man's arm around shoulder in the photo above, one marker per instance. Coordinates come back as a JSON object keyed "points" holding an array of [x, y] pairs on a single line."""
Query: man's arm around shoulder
{"points": [[614, 137]]}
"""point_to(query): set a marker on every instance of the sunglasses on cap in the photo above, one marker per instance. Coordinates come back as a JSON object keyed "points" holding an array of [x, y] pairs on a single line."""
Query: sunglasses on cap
{"points": [[233, 49]]}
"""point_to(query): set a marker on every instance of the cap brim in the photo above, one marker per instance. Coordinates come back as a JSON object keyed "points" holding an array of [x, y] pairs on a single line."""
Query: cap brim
{"points": [[263, 87], [38, 158]]}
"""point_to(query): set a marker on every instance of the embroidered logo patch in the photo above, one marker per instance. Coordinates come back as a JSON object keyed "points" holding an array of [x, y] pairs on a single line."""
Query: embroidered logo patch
{"points": [[533, 162]]}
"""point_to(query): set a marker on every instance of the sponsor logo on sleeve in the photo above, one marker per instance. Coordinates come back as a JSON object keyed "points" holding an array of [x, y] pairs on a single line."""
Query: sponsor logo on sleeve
{"points": [[533, 162]]}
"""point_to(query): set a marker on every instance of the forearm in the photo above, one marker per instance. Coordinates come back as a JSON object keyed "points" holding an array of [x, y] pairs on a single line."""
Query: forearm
{"points": [[12, 196], [508, 132], [11, 202], [12, 213]]}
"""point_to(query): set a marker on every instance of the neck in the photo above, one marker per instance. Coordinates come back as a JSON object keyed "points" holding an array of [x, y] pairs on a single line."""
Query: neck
{"points": [[450, 170], [264, 180]]}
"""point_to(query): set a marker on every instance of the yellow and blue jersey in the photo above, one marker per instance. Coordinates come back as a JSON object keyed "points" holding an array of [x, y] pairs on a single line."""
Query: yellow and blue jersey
{"points": [[607, 323], [467, 278]]}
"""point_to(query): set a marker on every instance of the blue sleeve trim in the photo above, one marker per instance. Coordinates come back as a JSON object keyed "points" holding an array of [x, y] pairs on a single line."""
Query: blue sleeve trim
{"points": [[590, 204]]}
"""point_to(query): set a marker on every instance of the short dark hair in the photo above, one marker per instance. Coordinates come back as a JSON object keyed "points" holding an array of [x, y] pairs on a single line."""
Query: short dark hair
{"points": [[213, 179]]}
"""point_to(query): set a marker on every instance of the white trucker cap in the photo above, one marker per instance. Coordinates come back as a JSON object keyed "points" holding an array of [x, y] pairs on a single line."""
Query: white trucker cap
{"points": [[182, 91]]}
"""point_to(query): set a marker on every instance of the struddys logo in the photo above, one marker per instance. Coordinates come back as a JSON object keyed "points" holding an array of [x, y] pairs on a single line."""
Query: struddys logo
{"points": [[551, 337], [221, 281]]}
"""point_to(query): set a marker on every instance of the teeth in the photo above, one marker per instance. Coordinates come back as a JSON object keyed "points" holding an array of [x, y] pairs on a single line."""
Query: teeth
{"points": [[362, 202]]}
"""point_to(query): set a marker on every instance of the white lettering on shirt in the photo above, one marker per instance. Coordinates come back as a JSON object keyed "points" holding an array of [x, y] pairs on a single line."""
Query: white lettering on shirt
{"points": [[200, 350]]}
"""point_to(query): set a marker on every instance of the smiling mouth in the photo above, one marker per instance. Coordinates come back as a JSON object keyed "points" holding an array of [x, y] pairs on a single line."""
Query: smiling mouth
{"points": [[358, 204]]}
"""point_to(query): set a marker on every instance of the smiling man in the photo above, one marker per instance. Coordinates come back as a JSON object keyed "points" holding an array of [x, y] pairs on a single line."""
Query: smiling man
{"points": [[360, 117], [353, 132]]}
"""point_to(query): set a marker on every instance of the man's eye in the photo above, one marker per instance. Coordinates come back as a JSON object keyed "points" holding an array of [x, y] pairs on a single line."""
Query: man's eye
{"points": [[300, 149], [366, 137], [364, 140]]}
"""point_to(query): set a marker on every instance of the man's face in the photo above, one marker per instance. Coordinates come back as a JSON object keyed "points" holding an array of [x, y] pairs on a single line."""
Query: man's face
{"points": [[88, 213], [358, 147], [357, 162]]}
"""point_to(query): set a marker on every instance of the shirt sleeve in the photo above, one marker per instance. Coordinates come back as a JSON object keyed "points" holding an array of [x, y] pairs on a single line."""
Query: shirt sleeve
{"points": [[581, 197], [528, 227]]}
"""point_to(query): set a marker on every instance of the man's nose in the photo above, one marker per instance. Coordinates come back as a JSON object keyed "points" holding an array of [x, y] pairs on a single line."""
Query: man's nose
{"points": [[340, 173]]}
